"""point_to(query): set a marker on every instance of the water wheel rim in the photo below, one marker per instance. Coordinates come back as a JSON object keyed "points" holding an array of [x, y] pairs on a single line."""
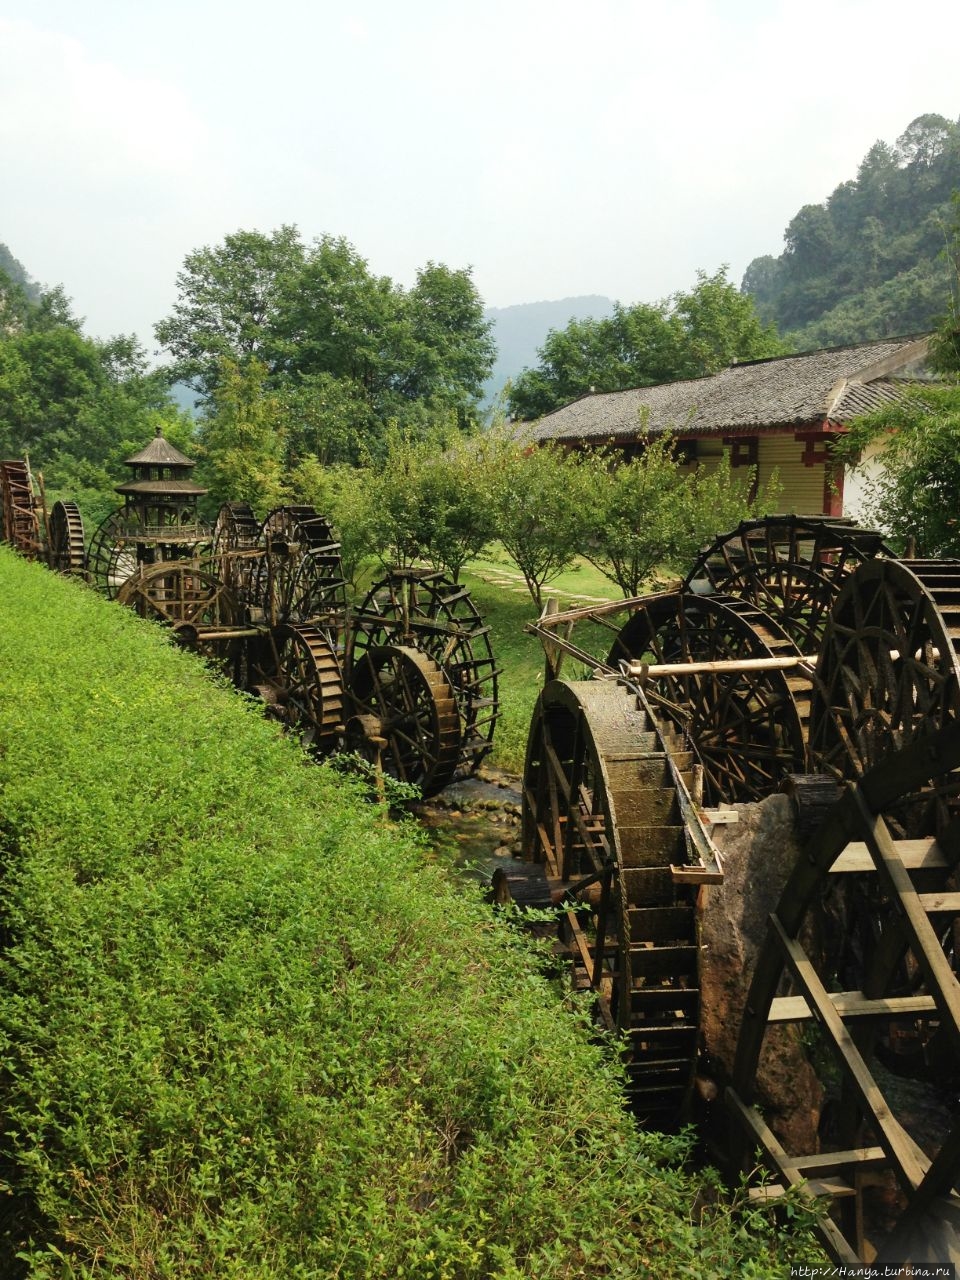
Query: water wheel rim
{"points": [[792, 567], [599, 801], [888, 670]]}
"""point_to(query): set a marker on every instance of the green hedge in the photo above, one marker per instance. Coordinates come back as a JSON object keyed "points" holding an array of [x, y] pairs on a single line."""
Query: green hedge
{"points": [[247, 1031]]}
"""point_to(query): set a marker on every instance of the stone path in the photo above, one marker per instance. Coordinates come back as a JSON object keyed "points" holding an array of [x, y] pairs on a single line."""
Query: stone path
{"points": [[514, 582]]}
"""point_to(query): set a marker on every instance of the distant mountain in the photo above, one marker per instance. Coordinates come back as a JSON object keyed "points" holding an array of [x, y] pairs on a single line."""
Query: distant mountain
{"points": [[16, 272], [520, 330], [869, 262]]}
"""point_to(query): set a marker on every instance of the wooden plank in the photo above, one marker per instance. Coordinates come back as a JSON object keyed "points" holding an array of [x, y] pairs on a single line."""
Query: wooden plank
{"points": [[915, 855], [928, 952], [650, 846], [647, 886], [662, 924], [835, 1188], [852, 1004], [663, 962], [933, 902], [643, 671], [829, 1162], [696, 875]]}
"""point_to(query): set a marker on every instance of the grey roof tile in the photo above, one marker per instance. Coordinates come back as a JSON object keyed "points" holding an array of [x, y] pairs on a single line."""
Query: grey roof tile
{"points": [[838, 383]]}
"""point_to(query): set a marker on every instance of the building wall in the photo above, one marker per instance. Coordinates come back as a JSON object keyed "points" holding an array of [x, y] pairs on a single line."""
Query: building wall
{"points": [[801, 487], [856, 482]]}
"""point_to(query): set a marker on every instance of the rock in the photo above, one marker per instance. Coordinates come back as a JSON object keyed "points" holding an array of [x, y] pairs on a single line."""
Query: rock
{"points": [[759, 852]]}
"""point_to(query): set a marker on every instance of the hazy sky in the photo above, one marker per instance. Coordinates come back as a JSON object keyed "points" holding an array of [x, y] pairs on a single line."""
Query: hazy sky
{"points": [[559, 148]]}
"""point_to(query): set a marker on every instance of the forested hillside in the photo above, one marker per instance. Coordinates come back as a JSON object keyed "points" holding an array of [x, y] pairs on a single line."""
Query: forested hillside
{"points": [[872, 260]]}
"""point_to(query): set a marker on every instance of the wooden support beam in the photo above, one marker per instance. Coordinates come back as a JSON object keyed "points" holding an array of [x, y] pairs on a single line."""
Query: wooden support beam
{"points": [[910, 1162]]}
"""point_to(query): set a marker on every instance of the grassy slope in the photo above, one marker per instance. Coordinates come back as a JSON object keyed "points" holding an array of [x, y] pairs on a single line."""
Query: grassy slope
{"points": [[245, 1032]]}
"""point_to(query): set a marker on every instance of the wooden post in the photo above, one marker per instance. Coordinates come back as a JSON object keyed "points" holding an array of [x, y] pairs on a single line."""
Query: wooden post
{"points": [[553, 654]]}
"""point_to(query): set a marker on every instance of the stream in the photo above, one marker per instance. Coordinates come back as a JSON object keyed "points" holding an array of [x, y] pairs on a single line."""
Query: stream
{"points": [[474, 824]]}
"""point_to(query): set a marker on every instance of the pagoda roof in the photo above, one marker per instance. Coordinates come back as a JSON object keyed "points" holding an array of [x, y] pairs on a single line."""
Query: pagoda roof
{"points": [[159, 453]]}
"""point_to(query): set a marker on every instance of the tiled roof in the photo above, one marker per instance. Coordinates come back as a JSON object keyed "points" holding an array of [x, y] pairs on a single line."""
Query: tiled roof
{"points": [[838, 384], [172, 488]]}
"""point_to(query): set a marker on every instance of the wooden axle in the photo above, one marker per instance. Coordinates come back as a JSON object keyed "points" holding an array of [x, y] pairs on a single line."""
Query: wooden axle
{"points": [[643, 671]]}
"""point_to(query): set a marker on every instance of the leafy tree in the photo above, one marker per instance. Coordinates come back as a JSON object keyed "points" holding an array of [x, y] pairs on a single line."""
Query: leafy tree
{"points": [[452, 348], [326, 418], [945, 347], [335, 317], [67, 399], [241, 439], [651, 512], [538, 507], [444, 498], [228, 305], [867, 262], [686, 336], [315, 316], [915, 491]]}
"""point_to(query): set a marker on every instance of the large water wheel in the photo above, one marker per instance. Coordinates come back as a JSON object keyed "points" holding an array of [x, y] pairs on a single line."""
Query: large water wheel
{"points": [[607, 812], [889, 670], [745, 721]]}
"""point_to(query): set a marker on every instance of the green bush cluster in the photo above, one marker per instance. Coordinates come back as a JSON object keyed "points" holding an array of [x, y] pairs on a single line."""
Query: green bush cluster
{"points": [[246, 1031]]}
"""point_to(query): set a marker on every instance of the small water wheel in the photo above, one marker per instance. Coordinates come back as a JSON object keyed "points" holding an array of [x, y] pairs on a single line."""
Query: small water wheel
{"points": [[298, 576], [304, 687], [405, 715], [67, 550], [421, 609]]}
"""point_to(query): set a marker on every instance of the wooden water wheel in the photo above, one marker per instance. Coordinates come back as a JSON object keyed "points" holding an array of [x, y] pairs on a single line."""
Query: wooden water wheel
{"points": [[607, 812], [888, 671], [67, 550], [405, 715], [790, 566], [298, 576], [746, 724], [888, 1160], [422, 609], [21, 523]]}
